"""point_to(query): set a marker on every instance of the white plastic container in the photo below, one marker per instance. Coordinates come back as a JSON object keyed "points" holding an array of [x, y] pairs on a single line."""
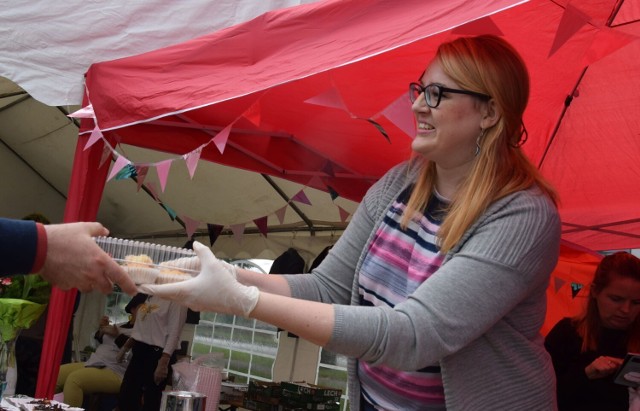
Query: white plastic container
{"points": [[149, 263]]}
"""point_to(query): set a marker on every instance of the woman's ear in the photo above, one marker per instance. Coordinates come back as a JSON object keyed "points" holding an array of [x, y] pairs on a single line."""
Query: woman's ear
{"points": [[490, 114]]}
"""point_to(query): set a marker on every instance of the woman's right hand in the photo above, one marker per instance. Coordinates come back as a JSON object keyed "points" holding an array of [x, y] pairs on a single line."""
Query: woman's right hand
{"points": [[602, 366]]}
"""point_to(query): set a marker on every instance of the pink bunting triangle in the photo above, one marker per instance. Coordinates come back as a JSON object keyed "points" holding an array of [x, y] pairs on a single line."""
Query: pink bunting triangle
{"points": [[344, 214], [330, 98], [261, 223], [400, 114], [238, 231], [106, 154], [162, 168], [316, 182], [192, 160], [141, 171], [121, 161], [84, 112], [558, 283], [301, 197], [572, 20], [96, 135], [477, 27], [606, 42], [190, 225], [280, 214], [253, 113], [220, 140]]}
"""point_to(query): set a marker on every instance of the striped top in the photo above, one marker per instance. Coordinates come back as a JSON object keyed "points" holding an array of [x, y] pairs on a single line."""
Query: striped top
{"points": [[399, 261]]}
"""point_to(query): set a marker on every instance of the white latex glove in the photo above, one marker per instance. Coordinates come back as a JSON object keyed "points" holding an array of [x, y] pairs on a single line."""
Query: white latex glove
{"points": [[193, 263], [215, 288]]}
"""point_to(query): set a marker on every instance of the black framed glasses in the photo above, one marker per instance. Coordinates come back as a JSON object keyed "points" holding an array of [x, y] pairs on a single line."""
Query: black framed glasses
{"points": [[433, 93]]}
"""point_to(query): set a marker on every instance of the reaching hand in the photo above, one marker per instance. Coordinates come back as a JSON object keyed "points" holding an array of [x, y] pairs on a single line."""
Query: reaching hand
{"points": [[215, 288], [74, 260]]}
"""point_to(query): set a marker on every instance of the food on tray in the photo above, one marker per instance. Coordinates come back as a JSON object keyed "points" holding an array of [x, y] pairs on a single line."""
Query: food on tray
{"points": [[141, 269], [177, 270], [141, 260]]}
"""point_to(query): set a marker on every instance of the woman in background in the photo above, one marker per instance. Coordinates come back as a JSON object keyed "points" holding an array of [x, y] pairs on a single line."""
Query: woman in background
{"points": [[101, 373], [588, 350]]}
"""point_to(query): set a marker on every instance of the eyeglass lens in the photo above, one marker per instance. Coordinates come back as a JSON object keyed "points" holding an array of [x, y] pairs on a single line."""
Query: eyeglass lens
{"points": [[432, 93]]}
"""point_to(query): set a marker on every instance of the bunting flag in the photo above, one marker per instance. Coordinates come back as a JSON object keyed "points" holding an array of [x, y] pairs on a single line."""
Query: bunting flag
{"points": [[328, 168], [280, 214], [261, 223], [606, 42], [106, 154], [253, 113], [162, 168], [169, 210], [96, 135], [117, 166], [190, 225], [575, 289], [558, 283], [301, 197], [315, 182], [571, 22], [238, 232], [192, 160], [128, 171], [84, 112], [220, 140], [401, 115], [214, 231], [330, 98], [142, 175], [333, 193], [477, 27], [344, 214]]}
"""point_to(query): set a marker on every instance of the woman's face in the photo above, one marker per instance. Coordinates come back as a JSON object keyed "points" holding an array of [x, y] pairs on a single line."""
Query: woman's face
{"points": [[619, 302], [447, 134]]}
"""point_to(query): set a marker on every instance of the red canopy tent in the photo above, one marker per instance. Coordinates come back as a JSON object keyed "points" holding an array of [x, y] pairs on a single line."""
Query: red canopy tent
{"points": [[317, 94]]}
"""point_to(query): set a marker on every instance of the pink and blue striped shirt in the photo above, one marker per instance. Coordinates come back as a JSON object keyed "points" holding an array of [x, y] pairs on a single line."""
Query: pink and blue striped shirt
{"points": [[397, 263]]}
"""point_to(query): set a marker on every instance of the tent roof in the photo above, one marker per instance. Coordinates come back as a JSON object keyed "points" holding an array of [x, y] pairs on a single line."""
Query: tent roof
{"points": [[303, 94]]}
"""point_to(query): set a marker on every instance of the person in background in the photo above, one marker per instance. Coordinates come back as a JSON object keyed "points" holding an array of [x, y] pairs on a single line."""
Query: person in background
{"points": [[63, 254], [588, 350], [101, 373], [154, 339], [437, 288]]}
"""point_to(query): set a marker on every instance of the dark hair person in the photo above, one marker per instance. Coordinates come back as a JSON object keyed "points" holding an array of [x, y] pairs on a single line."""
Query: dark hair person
{"points": [[588, 350], [436, 289]]}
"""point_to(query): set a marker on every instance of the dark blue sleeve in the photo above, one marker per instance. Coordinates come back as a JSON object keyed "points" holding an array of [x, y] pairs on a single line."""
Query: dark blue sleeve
{"points": [[18, 246]]}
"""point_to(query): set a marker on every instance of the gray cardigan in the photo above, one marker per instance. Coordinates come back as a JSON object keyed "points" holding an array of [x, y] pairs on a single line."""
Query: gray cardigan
{"points": [[479, 315]]}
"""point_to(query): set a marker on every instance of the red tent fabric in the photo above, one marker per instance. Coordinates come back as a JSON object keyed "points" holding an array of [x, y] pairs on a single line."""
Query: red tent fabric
{"points": [[569, 286], [317, 94]]}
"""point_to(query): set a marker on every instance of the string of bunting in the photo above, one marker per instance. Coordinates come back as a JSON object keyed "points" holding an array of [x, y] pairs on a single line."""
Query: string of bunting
{"points": [[123, 168]]}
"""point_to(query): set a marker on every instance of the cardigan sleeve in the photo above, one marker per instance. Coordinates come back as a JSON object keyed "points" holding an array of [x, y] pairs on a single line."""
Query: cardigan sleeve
{"points": [[22, 246]]}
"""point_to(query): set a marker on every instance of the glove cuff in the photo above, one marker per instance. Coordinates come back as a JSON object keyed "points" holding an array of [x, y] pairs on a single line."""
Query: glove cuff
{"points": [[250, 299]]}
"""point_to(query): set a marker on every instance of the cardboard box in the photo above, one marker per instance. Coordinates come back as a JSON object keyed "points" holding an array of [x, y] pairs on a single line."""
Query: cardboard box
{"points": [[302, 392], [262, 391]]}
